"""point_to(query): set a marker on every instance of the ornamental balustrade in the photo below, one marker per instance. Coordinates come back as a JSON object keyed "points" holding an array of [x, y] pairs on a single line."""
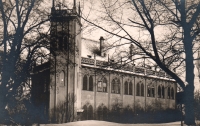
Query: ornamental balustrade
{"points": [[87, 61], [150, 72], [124, 67], [139, 70], [160, 74], [101, 63]]}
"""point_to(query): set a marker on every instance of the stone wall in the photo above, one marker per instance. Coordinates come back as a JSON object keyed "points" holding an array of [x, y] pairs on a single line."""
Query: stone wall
{"points": [[144, 99]]}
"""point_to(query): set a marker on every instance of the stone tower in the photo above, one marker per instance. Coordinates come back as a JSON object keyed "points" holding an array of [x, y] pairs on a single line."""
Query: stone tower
{"points": [[65, 61]]}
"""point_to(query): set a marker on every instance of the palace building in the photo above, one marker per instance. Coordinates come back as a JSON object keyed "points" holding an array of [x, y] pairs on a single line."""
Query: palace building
{"points": [[80, 80]]}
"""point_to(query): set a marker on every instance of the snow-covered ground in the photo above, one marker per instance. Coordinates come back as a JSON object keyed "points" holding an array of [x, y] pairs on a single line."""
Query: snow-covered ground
{"points": [[104, 123]]}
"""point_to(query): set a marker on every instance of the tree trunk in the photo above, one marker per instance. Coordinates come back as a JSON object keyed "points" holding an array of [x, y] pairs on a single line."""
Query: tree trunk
{"points": [[189, 89], [3, 112], [189, 105], [3, 99]]}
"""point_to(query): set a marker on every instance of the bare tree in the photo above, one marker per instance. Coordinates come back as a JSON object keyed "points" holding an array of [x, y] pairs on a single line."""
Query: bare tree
{"points": [[165, 31], [22, 40]]}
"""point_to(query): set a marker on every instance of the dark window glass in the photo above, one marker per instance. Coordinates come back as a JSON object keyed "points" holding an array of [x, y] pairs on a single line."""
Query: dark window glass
{"points": [[85, 82], [148, 91], [104, 85], [168, 93], [142, 89], [130, 88], [159, 91], [163, 92], [90, 83], [126, 88], [138, 89], [172, 93], [152, 92]]}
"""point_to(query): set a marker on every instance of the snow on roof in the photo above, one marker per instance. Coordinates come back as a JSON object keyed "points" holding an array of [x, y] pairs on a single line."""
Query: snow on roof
{"points": [[91, 48]]}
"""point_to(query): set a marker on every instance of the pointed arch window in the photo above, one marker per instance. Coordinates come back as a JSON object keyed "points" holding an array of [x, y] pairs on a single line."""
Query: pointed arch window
{"points": [[88, 112], [148, 91], [163, 92], [152, 91], [102, 85], [85, 113], [115, 86], [85, 83], [126, 88], [130, 88], [138, 89], [90, 83], [168, 92], [102, 112], [172, 93], [142, 89], [159, 91]]}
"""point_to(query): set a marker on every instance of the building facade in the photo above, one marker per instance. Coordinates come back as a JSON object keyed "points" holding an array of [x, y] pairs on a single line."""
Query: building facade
{"points": [[78, 83]]}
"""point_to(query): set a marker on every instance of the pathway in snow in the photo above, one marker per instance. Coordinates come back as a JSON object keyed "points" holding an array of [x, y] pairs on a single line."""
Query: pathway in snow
{"points": [[104, 123]]}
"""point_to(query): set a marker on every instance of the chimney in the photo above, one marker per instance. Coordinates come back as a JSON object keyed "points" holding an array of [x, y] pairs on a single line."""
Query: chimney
{"points": [[74, 6], [101, 45], [131, 49], [79, 9]]}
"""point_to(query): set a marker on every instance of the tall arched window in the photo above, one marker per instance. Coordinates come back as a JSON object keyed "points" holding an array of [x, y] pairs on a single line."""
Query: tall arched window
{"points": [[148, 91], [126, 88], [130, 88], [115, 86], [142, 89], [105, 113], [102, 85], [85, 82], [163, 92], [118, 86], [168, 92], [112, 86], [90, 83], [100, 113], [62, 78], [90, 112], [152, 91], [172, 93], [159, 91], [138, 89], [85, 113]]}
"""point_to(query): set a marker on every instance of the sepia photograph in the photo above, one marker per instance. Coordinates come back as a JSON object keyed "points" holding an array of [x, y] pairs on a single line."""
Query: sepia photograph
{"points": [[100, 62]]}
